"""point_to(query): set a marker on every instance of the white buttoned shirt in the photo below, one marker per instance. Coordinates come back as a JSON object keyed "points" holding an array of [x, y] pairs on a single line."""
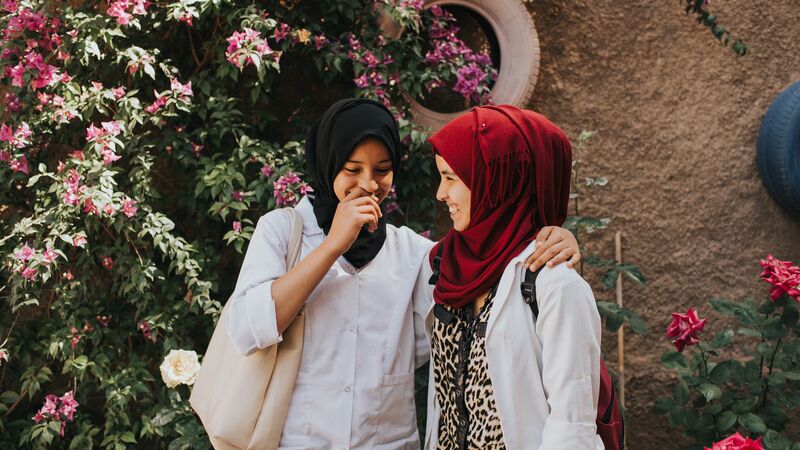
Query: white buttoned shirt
{"points": [[364, 336]]}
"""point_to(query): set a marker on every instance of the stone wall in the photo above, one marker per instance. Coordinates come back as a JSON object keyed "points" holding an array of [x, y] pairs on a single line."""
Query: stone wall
{"points": [[676, 117]]}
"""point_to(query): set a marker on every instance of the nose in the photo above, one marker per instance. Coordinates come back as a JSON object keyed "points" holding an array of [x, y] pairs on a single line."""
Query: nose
{"points": [[441, 193], [368, 185]]}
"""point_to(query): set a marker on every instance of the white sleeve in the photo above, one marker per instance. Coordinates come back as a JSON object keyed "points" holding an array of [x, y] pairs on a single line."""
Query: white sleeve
{"points": [[422, 298], [251, 321], [569, 329]]}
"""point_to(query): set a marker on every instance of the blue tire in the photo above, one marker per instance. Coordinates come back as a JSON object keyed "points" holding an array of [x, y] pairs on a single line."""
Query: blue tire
{"points": [[778, 149]]}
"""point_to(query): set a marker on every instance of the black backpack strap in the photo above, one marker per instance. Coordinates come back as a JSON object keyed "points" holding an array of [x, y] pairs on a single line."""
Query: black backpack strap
{"points": [[437, 261], [528, 288]]}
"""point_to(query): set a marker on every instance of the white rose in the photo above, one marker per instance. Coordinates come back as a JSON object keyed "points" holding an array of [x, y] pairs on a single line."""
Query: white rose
{"points": [[180, 367]]}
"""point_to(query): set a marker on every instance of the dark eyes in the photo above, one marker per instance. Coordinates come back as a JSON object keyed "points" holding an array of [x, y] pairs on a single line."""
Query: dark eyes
{"points": [[353, 171]]}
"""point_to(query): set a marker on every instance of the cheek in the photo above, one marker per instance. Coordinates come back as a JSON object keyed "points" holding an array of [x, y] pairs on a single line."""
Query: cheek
{"points": [[341, 184]]}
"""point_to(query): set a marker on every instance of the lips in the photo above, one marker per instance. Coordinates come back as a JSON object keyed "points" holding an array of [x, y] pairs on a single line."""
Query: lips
{"points": [[453, 208]]}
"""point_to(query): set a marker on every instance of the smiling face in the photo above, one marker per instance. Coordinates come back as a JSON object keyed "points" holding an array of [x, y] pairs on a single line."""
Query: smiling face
{"points": [[455, 193], [369, 167]]}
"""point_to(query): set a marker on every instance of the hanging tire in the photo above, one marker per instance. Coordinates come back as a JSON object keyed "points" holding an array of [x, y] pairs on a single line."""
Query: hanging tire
{"points": [[519, 50], [778, 149]]}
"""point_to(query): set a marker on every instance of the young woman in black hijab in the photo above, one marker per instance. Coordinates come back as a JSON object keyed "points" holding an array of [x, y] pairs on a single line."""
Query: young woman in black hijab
{"points": [[364, 284]]}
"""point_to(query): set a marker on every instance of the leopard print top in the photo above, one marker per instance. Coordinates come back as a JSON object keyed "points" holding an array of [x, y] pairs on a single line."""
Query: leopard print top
{"points": [[469, 418]]}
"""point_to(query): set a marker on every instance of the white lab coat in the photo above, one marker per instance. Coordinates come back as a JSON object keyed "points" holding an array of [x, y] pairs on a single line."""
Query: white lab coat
{"points": [[545, 375], [364, 337]]}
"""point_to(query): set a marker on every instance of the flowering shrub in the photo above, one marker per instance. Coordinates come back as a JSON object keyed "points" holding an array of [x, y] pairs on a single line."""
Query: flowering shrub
{"points": [[139, 143], [755, 392]]}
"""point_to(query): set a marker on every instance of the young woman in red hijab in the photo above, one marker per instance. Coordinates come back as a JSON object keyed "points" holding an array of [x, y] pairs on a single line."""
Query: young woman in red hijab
{"points": [[500, 377]]}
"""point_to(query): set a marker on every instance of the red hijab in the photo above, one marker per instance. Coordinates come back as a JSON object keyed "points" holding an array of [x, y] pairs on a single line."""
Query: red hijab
{"points": [[517, 165]]}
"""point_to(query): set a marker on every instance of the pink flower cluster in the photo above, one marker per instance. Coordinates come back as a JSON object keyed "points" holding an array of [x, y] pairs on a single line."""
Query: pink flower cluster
{"points": [[179, 91], [29, 258], [266, 170], [242, 46], [124, 10], [783, 276], [684, 329], [285, 188], [103, 139], [61, 409], [474, 69], [3, 356], [16, 139], [33, 62], [737, 442]]}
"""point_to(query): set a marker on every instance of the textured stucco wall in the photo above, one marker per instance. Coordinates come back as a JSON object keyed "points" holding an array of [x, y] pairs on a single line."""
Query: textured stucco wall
{"points": [[676, 117]]}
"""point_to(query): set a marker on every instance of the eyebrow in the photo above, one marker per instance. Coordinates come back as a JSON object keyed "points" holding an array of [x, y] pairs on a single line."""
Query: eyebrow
{"points": [[354, 161]]}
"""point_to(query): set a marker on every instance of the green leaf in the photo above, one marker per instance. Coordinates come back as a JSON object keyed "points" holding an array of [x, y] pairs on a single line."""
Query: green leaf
{"points": [[721, 373], [725, 421], [9, 397], [752, 423], [681, 393], [673, 360], [723, 338], [710, 391]]}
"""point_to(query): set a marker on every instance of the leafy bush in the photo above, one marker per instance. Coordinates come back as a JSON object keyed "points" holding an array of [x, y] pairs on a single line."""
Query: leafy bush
{"points": [[754, 390], [139, 144]]}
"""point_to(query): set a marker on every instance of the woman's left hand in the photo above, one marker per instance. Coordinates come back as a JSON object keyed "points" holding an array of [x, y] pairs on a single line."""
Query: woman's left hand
{"points": [[554, 245]]}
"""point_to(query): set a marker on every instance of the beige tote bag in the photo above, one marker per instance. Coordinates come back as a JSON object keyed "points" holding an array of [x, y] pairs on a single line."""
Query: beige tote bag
{"points": [[243, 400]]}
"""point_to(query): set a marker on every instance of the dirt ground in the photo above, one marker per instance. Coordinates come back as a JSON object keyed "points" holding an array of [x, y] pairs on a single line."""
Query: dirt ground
{"points": [[676, 118]]}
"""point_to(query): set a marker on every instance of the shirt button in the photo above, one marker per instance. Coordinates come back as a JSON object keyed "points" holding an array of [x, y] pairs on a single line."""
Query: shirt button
{"points": [[347, 389], [352, 329]]}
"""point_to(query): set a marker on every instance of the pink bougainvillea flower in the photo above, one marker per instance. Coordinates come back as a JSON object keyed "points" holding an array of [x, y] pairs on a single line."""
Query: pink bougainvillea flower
{"points": [[79, 240], [68, 275], [368, 59], [183, 90], [197, 148], [49, 255], [25, 253], [237, 196], [684, 328], [783, 276], [129, 207], [266, 170], [737, 442], [3, 356], [68, 405], [107, 262], [320, 41], [89, 207], [103, 321], [29, 273], [79, 155], [361, 81], [109, 209], [237, 226], [281, 31], [426, 234], [159, 103], [118, 92]]}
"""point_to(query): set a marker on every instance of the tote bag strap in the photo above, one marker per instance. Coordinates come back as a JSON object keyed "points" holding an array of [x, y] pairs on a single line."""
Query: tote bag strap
{"points": [[295, 244]]}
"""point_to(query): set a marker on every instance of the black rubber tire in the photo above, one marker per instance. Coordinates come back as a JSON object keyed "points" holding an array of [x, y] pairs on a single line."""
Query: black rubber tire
{"points": [[778, 149]]}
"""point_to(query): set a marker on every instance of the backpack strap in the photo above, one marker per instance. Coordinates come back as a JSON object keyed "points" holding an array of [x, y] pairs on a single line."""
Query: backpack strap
{"points": [[528, 288], [437, 261]]}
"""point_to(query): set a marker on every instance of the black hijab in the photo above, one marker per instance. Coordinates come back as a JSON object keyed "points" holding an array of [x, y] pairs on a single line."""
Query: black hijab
{"points": [[331, 140]]}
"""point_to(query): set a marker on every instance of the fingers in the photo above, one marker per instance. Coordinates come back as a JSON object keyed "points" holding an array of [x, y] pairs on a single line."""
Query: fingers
{"points": [[354, 194], [544, 233], [574, 260], [368, 216], [547, 255]]}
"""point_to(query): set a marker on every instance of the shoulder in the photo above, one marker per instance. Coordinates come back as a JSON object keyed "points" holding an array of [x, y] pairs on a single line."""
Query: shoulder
{"points": [[409, 238], [559, 280], [275, 223]]}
